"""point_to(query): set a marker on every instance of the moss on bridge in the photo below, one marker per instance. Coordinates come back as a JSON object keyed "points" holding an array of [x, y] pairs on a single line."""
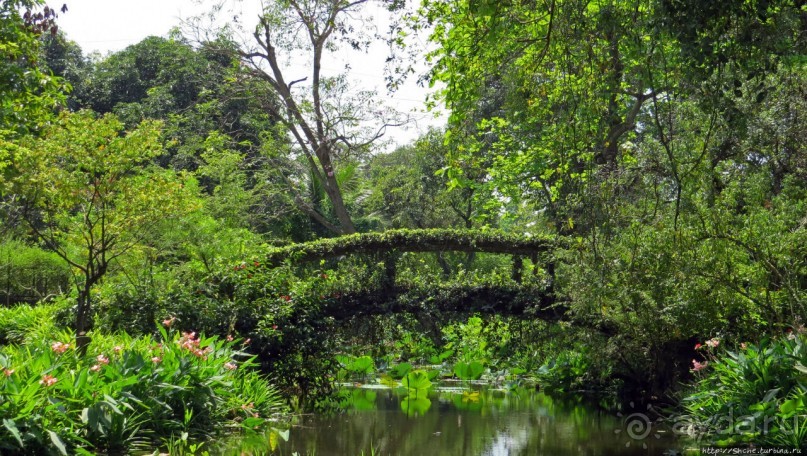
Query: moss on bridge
{"points": [[429, 240]]}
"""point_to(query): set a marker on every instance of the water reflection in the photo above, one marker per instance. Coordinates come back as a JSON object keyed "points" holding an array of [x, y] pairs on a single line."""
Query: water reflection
{"points": [[457, 422]]}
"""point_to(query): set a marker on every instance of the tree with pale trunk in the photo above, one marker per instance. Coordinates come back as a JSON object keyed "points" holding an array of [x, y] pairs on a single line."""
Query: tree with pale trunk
{"points": [[328, 123]]}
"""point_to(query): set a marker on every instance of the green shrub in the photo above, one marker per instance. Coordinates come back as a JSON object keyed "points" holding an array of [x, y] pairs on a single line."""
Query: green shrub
{"points": [[567, 371], [29, 273], [280, 313], [477, 339], [757, 394], [127, 393], [23, 322]]}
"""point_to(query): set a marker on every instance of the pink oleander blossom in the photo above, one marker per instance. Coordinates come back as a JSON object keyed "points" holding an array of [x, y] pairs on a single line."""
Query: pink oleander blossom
{"points": [[713, 343], [48, 380], [59, 347]]}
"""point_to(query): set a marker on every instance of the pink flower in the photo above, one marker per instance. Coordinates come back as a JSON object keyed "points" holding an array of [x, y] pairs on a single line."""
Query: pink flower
{"points": [[190, 342], [95, 368], [274, 327], [696, 366], [8, 372], [59, 347], [102, 359], [156, 360], [169, 321], [713, 343], [286, 298], [743, 346], [698, 346], [117, 349], [229, 338], [48, 380], [230, 366], [247, 342]]}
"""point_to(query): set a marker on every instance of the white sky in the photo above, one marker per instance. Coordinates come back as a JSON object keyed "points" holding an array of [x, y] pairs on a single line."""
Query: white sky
{"points": [[111, 25]]}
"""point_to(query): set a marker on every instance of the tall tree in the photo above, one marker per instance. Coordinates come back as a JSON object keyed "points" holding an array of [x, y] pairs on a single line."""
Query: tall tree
{"points": [[578, 75], [660, 134], [326, 120], [27, 93], [90, 194], [189, 88]]}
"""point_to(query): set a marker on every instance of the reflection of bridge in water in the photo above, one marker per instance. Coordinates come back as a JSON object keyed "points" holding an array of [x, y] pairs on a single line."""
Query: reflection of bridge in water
{"points": [[527, 294]]}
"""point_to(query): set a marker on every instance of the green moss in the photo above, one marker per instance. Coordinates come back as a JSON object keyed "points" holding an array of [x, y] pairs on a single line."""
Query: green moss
{"points": [[428, 240]]}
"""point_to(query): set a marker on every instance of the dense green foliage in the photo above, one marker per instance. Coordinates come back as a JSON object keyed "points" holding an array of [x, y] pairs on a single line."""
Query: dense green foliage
{"points": [[28, 95], [23, 324], [89, 195], [616, 182], [126, 393], [29, 273], [644, 132], [753, 393], [435, 240]]}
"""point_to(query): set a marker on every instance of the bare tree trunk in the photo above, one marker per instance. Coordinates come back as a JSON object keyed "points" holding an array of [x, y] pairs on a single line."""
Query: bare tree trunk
{"points": [[82, 318]]}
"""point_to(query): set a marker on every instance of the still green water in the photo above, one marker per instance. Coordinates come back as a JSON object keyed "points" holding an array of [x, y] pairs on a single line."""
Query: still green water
{"points": [[450, 421]]}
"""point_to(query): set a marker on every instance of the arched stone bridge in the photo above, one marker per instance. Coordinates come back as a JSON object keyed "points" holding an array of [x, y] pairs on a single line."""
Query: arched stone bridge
{"points": [[521, 296]]}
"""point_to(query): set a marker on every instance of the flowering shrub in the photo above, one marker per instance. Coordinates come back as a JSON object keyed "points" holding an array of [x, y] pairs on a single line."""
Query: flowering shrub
{"points": [[757, 394], [127, 394]]}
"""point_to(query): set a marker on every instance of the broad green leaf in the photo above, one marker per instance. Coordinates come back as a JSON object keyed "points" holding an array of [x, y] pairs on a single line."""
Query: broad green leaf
{"points": [[57, 442], [12, 428], [362, 365], [790, 406], [400, 370], [417, 380], [469, 371]]}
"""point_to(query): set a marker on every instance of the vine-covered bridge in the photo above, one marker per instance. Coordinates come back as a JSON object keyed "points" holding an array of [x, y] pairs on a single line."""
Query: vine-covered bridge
{"points": [[528, 290]]}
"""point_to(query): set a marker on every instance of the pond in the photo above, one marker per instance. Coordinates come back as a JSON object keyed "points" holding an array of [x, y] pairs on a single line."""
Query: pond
{"points": [[468, 420]]}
